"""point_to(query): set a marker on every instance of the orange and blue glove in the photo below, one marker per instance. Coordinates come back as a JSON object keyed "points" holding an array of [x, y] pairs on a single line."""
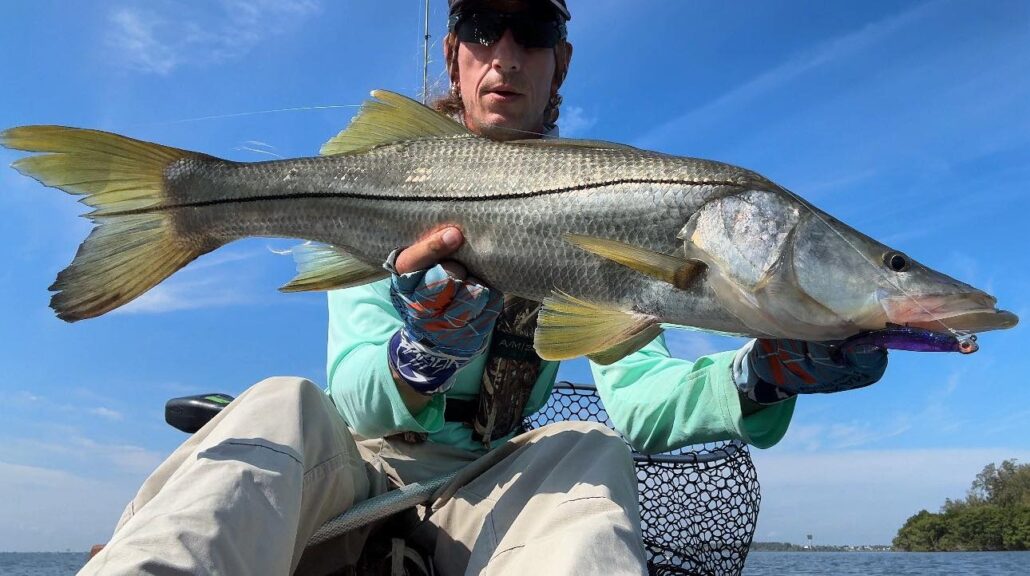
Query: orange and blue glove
{"points": [[771, 370], [447, 323]]}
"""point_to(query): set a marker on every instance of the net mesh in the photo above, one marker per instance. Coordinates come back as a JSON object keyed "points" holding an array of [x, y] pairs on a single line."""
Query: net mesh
{"points": [[698, 504]]}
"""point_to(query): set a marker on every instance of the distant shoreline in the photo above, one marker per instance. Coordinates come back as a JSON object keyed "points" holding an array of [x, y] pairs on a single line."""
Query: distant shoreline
{"points": [[83, 553], [788, 547]]}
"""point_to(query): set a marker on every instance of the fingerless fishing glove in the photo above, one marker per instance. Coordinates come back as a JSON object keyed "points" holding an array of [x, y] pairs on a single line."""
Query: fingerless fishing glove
{"points": [[769, 371], [447, 322]]}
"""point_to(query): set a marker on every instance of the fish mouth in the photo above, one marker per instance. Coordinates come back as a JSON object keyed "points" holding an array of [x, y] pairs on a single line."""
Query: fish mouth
{"points": [[967, 313]]}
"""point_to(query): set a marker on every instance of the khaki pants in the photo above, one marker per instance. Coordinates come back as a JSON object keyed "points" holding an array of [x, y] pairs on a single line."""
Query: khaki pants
{"points": [[243, 495]]}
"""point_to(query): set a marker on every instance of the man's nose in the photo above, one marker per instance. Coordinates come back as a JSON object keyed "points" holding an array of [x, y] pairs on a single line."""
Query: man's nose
{"points": [[507, 54]]}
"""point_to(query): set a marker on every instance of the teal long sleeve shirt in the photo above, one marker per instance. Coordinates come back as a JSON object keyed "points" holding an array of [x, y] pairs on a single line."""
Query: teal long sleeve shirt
{"points": [[657, 402]]}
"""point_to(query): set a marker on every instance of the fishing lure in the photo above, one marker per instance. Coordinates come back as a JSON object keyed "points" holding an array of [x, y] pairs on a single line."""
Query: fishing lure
{"points": [[912, 339]]}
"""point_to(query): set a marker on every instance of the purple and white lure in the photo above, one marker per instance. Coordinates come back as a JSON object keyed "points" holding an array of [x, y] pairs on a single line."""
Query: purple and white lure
{"points": [[913, 339]]}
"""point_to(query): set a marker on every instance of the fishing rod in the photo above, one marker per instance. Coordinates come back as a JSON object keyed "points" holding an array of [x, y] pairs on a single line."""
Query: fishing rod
{"points": [[425, 57]]}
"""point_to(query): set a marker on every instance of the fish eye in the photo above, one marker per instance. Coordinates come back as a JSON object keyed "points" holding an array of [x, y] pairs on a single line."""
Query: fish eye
{"points": [[896, 261]]}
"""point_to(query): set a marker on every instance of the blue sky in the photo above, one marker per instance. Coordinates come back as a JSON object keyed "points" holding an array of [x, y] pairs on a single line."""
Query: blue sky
{"points": [[908, 120]]}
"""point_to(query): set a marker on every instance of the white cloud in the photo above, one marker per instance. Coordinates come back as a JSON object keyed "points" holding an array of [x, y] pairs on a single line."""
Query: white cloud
{"points": [[26, 396], [173, 296], [106, 413], [125, 457], [211, 282], [690, 344], [75, 451], [66, 491], [826, 431], [841, 435], [157, 41], [135, 38], [44, 509], [860, 497], [574, 121]]}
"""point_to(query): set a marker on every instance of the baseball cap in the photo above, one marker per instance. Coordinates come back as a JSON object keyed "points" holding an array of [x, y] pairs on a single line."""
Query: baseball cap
{"points": [[558, 5]]}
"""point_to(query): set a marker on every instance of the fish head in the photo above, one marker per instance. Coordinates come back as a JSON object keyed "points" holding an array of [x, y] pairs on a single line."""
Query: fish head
{"points": [[787, 270], [870, 285]]}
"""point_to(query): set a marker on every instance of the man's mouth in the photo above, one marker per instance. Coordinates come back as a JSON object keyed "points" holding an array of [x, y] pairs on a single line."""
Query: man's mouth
{"points": [[505, 92]]}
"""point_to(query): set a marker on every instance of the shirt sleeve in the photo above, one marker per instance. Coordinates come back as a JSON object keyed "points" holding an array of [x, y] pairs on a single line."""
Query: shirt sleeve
{"points": [[361, 322], [660, 403]]}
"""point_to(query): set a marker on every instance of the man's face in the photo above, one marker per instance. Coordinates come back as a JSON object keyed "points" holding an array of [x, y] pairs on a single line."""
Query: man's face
{"points": [[505, 87]]}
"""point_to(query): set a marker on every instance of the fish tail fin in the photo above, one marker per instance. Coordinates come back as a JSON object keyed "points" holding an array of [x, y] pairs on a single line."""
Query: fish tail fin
{"points": [[134, 245]]}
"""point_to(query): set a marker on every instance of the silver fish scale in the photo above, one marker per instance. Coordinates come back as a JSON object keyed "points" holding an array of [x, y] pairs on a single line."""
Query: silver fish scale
{"points": [[473, 167], [513, 202], [465, 167]]}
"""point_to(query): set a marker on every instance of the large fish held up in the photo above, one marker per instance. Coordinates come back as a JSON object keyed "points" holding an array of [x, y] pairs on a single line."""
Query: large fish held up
{"points": [[614, 240]]}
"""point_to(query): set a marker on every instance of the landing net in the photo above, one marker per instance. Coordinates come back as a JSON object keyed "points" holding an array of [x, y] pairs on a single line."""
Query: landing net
{"points": [[698, 504]]}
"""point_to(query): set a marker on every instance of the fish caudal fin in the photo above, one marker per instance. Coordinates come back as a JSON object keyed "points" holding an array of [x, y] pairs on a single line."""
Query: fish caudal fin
{"points": [[568, 327], [134, 245]]}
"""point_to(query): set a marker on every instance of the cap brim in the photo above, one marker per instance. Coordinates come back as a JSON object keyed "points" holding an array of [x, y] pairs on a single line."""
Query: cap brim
{"points": [[564, 11]]}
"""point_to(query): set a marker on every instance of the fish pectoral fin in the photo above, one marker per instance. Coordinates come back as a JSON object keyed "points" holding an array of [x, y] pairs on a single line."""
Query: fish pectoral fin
{"points": [[388, 118], [680, 272], [568, 327], [573, 143], [322, 267]]}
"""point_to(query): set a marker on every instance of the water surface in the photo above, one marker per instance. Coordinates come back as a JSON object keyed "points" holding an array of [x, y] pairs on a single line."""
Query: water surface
{"points": [[41, 563], [887, 563], [758, 563]]}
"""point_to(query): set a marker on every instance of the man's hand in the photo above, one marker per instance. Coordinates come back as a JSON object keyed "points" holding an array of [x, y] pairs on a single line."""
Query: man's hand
{"points": [[447, 316], [779, 369], [432, 250]]}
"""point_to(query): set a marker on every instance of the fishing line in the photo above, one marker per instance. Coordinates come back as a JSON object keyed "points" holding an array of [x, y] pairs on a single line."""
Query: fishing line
{"points": [[256, 113], [886, 277], [259, 151]]}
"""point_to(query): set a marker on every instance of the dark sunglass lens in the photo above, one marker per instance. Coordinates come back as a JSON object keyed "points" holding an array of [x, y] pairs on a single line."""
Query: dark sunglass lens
{"points": [[535, 32], [480, 28]]}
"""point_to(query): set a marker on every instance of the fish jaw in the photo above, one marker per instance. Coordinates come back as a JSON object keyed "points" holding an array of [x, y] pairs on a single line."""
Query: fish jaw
{"points": [[967, 313]]}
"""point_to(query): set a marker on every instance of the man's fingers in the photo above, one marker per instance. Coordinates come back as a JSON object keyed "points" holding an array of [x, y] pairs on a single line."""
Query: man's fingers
{"points": [[429, 251]]}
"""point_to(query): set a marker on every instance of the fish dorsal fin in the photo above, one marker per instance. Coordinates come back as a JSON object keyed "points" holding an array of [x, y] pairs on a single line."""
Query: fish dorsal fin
{"points": [[680, 272], [568, 327], [390, 117], [322, 267], [573, 143]]}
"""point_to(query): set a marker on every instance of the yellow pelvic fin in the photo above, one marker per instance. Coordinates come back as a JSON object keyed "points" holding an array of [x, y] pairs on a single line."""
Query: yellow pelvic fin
{"points": [[126, 254], [321, 267], [679, 272], [568, 327], [390, 118]]}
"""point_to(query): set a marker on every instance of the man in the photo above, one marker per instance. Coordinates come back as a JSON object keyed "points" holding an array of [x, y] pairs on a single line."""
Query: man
{"points": [[430, 371], [442, 394]]}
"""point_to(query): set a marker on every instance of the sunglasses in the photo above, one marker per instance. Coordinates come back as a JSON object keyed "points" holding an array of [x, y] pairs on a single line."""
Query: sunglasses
{"points": [[530, 29]]}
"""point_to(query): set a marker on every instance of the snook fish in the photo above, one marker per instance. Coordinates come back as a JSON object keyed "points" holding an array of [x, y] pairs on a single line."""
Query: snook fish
{"points": [[612, 239]]}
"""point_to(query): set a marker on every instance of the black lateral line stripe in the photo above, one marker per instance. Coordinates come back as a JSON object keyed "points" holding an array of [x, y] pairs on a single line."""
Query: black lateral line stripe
{"points": [[396, 198]]}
